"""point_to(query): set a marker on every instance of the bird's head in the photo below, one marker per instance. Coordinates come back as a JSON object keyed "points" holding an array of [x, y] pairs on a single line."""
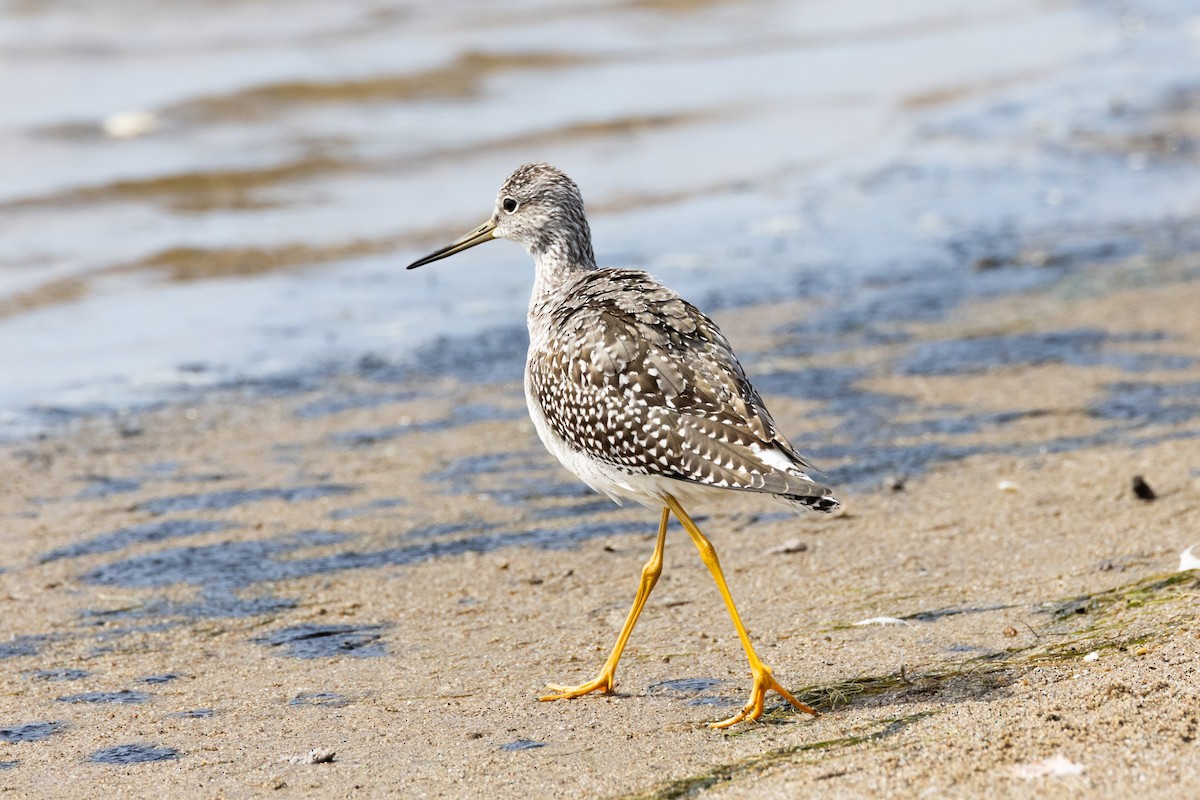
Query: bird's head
{"points": [[539, 207]]}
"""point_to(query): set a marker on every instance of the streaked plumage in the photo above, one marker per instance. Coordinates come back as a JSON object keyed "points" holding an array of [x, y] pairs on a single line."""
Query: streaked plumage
{"points": [[637, 392], [627, 373]]}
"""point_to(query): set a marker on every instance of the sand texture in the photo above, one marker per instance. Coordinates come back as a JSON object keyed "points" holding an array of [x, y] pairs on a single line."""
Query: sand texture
{"points": [[390, 568]]}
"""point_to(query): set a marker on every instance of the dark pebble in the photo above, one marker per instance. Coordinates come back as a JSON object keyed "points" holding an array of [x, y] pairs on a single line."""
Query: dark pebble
{"points": [[1142, 490]]}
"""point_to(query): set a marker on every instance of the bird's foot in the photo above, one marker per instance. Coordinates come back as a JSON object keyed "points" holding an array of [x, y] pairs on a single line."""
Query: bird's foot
{"points": [[763, 681], [604, 684]]}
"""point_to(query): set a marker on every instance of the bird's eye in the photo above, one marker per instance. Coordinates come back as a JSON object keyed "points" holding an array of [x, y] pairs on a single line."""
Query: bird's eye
{"points": [[509, 205]]}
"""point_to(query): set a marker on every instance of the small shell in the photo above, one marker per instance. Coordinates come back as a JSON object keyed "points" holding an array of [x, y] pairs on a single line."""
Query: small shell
{"points": [[129, 124], [1055, 765], [1188, 559]]}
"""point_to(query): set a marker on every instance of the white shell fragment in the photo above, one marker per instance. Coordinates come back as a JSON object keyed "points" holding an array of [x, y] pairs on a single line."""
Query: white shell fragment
{"points": [[1092, 656], [1188, 559], [129, 124], [319, 755], [789, 547], [1054, 766], [882, 621], [1008, 486]]}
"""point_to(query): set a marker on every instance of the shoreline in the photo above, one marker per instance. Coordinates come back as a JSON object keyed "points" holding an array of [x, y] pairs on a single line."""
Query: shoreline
{"points": [[362, 570]]}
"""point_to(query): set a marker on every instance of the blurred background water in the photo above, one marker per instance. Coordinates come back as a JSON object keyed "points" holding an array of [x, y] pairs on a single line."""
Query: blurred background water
{"points": [[203, 192]]}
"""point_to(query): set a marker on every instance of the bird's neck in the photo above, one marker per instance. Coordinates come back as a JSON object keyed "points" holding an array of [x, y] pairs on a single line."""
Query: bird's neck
{"points": [[558, 261]]}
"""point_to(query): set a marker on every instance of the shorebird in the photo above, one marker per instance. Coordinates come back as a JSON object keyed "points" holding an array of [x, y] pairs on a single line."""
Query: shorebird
{"points": [[638, 394]]}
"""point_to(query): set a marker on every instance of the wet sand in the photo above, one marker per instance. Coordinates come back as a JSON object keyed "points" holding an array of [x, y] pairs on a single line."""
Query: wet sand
{"points": [[389, 567], [202, 193]]}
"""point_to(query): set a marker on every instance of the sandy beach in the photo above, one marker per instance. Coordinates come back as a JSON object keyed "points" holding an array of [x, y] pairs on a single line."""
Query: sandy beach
{"points": [[274, 520], [232, 584]]}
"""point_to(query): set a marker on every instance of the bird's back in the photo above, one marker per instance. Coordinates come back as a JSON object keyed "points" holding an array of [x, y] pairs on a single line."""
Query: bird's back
{"points": [[632, 380]]}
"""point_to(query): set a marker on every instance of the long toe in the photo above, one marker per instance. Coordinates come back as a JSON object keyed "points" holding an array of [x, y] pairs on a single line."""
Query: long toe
{"points": [[603, 684], [750, 711], [763, 681], [786, 695]]}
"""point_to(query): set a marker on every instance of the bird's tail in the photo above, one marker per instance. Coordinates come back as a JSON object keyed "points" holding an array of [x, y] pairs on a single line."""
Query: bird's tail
{"points": [[812, 497]]}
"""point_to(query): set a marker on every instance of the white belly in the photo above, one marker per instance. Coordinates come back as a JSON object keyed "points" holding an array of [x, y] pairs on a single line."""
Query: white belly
{"points": [[617, 484]]}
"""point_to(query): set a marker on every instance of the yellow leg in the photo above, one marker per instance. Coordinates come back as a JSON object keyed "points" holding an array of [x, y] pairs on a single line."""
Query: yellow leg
{"points": [[606, 680], [763, 679]]}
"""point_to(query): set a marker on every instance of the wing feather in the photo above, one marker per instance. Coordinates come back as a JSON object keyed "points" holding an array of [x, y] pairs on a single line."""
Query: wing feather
{"points": [[643, 381]]}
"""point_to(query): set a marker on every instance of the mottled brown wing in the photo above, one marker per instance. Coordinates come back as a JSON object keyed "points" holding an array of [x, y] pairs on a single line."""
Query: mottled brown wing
{"points": [[640, 379]]}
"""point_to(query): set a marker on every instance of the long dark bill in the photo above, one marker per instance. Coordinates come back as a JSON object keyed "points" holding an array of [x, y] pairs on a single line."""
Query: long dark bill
{"points": [[484, 233]]}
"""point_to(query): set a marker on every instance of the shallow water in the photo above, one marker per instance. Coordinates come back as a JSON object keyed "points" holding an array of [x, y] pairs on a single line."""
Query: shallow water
{"points": [[323, 641], [136, 753], [30, 732], [122, 697], [202, 193]]}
